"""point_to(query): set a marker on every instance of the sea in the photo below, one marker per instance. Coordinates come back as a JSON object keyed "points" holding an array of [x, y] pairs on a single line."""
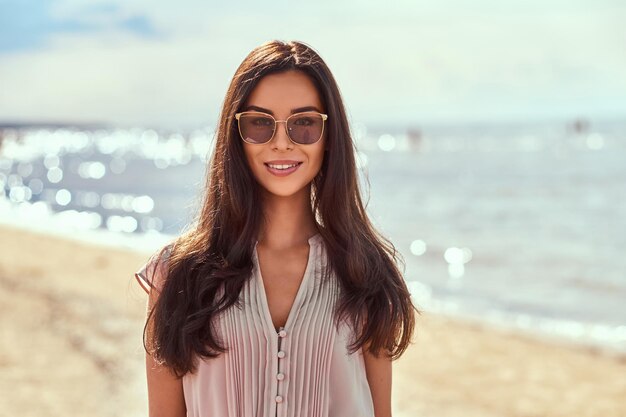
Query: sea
{"points": [[516, 225]]}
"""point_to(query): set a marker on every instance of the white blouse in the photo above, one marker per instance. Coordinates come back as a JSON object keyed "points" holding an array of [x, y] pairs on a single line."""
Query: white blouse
{"points": [[304, 370]]}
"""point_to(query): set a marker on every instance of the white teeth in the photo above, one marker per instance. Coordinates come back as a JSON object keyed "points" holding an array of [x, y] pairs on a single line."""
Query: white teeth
{"points": [[281, 166]]}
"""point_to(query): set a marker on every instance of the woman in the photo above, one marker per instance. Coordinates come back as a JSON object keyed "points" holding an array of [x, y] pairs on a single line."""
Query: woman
{"points": [[281, 300]]}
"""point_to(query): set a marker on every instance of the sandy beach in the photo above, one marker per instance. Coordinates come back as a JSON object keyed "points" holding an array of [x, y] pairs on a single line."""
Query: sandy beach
{"points": [[70, 344]]}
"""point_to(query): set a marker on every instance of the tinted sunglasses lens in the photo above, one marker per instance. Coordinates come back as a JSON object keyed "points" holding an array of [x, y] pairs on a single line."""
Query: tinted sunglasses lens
{"points": [[256, 128], [306, 128]]}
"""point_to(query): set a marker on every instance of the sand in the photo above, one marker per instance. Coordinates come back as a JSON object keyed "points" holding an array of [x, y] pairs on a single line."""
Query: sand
{"points": [[70, 345]]}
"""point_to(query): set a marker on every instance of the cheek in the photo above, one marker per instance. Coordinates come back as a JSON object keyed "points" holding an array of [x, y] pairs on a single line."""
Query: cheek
{"points": [[250, 156], [319, 154], [316, 161]]}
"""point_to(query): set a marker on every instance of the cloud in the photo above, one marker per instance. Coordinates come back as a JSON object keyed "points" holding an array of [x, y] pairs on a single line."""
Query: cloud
{"points": [[143, 62]]}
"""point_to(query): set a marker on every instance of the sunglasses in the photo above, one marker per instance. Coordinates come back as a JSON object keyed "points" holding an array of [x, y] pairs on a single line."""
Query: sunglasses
{"points": [[302, 128]]}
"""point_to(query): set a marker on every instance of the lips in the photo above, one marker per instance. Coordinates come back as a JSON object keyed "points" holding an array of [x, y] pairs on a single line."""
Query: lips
{"points": [[282, 167]]}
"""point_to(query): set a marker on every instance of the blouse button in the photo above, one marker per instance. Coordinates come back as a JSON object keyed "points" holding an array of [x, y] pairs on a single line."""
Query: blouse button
{"points": [[279, 399], [281, 354], [282, 333], [280, 376]]}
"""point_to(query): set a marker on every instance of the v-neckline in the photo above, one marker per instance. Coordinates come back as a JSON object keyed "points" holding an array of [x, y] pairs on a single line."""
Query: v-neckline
{"points": [[303, 283]]}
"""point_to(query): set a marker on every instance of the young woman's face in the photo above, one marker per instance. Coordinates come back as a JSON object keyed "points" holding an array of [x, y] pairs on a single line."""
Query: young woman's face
{"points": [[281, 95]]}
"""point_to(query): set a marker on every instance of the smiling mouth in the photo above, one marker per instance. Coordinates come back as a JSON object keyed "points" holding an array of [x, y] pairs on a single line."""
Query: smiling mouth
{"points": [[282, 167], [282, 170]]}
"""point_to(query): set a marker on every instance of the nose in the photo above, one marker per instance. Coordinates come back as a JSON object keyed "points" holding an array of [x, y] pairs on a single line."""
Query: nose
{"points": [[281, 139]]}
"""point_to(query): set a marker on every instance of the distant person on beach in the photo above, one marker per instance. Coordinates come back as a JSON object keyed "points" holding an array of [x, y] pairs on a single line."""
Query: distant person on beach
{"points": [[415, 139], [281, 299]]}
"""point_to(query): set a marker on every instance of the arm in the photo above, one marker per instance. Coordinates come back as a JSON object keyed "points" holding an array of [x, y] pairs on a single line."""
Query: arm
{"points": [[165, 391], [378, 371]]}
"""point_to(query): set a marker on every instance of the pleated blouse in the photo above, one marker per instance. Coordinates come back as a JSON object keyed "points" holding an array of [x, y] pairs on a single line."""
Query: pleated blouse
{"points": [[300, 370]]}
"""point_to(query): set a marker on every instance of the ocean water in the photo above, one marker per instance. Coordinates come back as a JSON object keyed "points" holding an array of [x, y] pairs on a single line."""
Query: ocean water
{"points": [[519, 225]]}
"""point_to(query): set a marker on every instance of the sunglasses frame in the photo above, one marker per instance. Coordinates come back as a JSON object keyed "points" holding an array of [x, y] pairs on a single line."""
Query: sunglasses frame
{"points": [[238, 115]]}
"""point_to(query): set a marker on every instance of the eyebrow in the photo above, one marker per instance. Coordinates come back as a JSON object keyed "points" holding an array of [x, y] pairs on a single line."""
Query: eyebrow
{"points": [[298, 110]]}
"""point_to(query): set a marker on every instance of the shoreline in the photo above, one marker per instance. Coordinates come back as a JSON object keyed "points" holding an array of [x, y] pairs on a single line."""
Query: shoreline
{"points": [[563, 331], [532, 333], [73, 320]]}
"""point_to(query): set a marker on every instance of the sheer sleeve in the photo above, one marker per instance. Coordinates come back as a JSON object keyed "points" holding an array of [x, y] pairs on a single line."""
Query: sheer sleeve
{"points": [[152, 274]]}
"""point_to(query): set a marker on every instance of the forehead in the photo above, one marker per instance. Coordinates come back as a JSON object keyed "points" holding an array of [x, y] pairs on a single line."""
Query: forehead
{"points": [[285, 91]]}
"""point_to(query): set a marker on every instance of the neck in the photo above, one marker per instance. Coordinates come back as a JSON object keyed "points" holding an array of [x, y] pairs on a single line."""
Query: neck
{"points": [[288, 221]]}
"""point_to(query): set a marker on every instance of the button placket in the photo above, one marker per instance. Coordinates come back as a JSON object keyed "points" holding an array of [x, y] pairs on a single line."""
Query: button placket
{"points": [[280, 376]]}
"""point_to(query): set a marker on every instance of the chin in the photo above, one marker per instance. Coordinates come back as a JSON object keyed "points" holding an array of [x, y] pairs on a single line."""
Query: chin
{"points": [[285, 190], [283, 193]]}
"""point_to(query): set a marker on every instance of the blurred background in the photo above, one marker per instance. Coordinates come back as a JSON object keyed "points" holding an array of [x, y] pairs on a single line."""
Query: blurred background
{"points": [[491, 145]]}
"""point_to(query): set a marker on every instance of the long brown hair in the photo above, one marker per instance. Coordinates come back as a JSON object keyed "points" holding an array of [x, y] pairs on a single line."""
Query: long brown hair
{"points": [[216, 251]]}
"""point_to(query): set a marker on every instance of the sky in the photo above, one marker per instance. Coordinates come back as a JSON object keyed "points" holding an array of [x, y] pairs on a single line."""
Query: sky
{"points": [[168, 64]]}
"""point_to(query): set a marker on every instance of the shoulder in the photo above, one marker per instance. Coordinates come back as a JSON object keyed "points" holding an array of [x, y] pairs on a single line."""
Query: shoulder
{"points": [[153, 272]]}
